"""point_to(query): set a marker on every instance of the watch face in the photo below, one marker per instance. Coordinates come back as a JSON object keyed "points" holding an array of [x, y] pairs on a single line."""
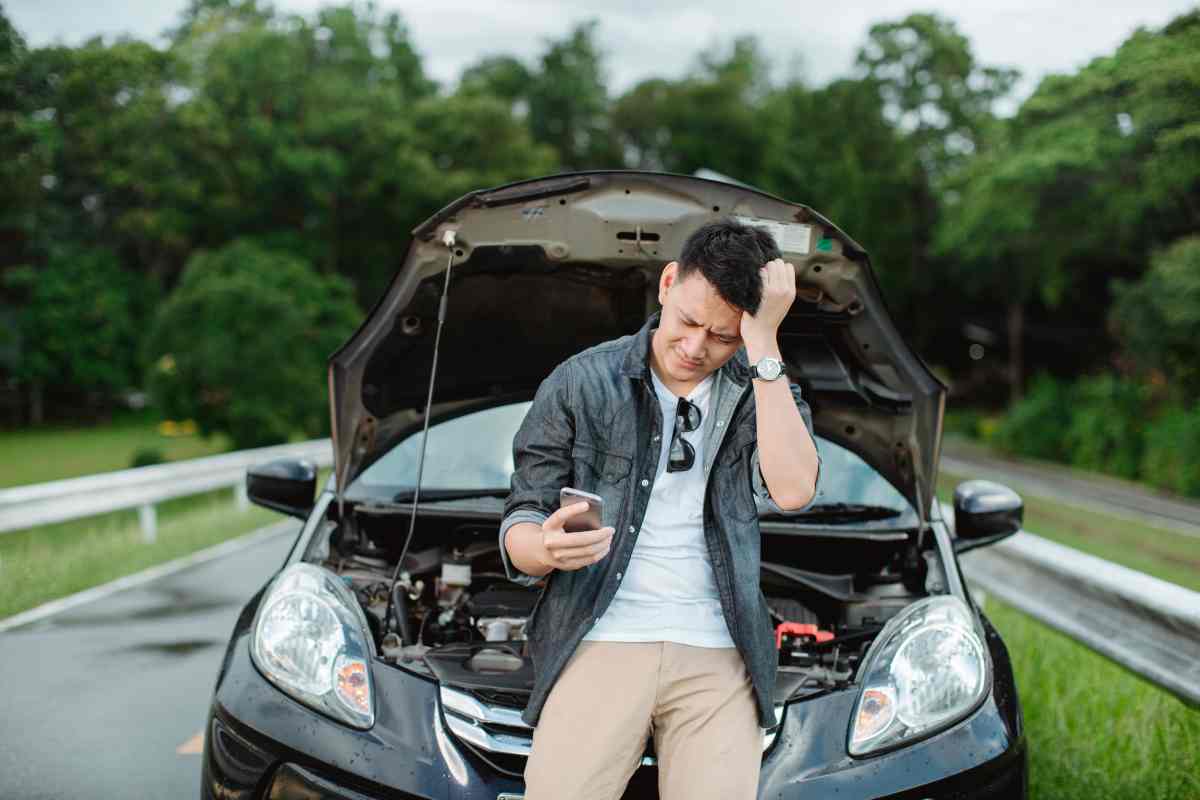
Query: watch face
{"points": [[769, 368]]}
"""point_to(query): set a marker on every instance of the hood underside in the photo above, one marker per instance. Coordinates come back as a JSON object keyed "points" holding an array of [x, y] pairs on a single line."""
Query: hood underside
{"points": [[544, 268]]}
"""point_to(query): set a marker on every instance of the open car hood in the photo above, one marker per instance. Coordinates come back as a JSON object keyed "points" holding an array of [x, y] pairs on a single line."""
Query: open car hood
{"points": [[544, 268]]}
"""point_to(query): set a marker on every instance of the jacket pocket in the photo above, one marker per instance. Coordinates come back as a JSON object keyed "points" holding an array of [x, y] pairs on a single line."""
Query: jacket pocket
{"points": [[594, 466]]}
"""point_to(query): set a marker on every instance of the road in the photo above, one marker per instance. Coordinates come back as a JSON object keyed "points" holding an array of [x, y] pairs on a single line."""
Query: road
{"points": [[109, 699], [1112, 496]]}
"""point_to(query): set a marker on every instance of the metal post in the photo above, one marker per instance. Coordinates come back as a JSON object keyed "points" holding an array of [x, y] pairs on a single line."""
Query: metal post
{"points": [[240, 498], [148, 518]]}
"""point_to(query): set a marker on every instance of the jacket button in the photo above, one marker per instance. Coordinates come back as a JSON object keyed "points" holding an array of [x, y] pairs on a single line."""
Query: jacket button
{"points": [[645, 482], [656, 438], [632, 529], [618, 576]]}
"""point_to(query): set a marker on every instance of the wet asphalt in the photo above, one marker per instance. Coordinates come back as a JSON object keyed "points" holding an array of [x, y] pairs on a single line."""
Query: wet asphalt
{"points": [[107, 700]]}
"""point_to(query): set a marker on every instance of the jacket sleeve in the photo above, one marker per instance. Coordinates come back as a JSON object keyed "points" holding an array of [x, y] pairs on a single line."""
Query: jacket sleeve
{"points": [[541, 460], [762, 496]]}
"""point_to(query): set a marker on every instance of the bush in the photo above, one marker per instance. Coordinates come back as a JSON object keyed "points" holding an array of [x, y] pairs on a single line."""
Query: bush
{"points": [[1171, 458], [241, 345], [79, 320], [964, 421], [145, 456], [1036, 426], [1107, 429], [1158, 317]]}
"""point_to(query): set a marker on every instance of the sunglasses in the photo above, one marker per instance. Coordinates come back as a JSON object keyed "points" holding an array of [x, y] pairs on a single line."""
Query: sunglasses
{"points": [[687, 419]]}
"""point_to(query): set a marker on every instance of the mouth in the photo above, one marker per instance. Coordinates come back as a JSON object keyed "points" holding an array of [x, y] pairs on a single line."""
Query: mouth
{"points": [[687, 362]]}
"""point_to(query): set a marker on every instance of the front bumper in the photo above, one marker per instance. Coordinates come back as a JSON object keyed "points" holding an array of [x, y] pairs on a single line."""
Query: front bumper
{"points": [[261, 744]]}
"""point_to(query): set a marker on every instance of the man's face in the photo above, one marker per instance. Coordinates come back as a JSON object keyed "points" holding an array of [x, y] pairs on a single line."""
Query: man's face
{"points": [[698, 332]]}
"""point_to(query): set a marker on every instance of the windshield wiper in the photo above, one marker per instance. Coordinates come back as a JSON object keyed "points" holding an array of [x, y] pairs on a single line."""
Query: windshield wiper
{"points": [[408, 495], [848, 510]]}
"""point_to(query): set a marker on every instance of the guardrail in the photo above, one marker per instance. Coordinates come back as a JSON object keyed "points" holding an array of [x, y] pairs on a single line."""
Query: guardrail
{"points": [[142, 488], [1148, 625]]}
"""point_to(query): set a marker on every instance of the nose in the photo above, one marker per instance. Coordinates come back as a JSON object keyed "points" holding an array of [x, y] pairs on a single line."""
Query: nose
{"points": [[693, 346]]}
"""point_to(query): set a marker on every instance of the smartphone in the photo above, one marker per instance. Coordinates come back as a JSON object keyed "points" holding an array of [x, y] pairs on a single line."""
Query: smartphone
{"points": [[586, 520]]}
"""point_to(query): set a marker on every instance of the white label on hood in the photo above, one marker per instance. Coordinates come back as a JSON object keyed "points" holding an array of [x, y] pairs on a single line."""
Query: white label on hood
{"points": [[791, 237]]}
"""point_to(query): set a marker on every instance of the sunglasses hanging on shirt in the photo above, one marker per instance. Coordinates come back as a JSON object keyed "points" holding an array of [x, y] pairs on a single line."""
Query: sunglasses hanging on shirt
{"points": [[687, 419]]}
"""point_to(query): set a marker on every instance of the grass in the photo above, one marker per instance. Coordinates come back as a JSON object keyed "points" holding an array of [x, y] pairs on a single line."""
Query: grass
{"points": [[41, 564], [49, 453], [1165, 554], [1095, 730], [51, 561]]}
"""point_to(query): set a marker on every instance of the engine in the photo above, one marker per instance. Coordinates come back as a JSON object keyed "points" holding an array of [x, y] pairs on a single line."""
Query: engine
{"points": [[453, 613]]}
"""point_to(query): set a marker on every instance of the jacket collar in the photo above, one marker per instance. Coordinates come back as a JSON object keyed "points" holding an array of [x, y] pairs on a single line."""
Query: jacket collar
{"points": [[636, 363]]}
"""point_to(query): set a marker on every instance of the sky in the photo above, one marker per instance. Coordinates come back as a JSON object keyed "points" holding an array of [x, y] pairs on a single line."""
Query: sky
{"points": [[642, 39]]}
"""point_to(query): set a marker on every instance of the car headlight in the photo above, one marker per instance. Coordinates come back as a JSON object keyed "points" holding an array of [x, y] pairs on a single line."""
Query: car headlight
{"points": [[311, 640], [926, 670]]}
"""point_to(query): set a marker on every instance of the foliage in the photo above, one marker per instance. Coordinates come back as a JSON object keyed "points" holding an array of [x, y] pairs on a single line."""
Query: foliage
{"points": [[77, 323], [321, 138], [1107, 428], [930, 83], [241, 344], [1171, 459], [1158, 317], [1036, 426], [147, 456], [711, 118], [1094, 169], [475, 142], [834, 148], [1103, 423]]}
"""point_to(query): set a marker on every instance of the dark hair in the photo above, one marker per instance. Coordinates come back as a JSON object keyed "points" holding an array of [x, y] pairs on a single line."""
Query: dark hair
{"points": [[729, 255]]}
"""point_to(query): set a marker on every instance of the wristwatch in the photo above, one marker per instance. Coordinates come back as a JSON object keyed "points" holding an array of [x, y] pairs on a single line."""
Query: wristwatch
{"points": [[767, 369]]}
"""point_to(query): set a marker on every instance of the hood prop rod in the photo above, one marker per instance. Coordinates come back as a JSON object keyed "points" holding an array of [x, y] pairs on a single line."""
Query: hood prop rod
{"points": [[449, 239]]}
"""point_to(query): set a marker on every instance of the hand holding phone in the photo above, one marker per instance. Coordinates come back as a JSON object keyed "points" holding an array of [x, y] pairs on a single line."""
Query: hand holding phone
{"points": [[584, 542], [588, 520]]}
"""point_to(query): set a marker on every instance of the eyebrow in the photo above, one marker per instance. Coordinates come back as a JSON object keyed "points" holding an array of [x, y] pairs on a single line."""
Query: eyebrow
{"points": [[687, 318]]}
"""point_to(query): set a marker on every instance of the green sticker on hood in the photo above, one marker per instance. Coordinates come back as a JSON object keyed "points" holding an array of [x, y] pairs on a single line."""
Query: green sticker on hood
{"points": [[826, 245]]}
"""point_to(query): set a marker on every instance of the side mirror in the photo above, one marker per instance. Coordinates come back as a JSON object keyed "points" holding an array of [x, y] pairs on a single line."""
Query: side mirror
{"points": [[287, 485], [984, 513]]}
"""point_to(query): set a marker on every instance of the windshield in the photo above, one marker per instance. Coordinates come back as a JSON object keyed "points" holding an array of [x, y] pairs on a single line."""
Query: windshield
{"points": [[474, 452]]}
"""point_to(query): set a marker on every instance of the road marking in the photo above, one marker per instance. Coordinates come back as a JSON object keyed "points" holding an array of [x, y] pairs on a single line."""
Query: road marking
{"points": [[146, 575], [193, 746]]}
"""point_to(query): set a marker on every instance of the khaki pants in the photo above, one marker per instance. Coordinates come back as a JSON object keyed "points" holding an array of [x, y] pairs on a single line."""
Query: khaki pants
{"points": [[697, 702]]}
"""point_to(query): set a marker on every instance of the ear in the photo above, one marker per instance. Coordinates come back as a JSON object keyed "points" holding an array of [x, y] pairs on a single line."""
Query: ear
{"points": [[666, 280]]}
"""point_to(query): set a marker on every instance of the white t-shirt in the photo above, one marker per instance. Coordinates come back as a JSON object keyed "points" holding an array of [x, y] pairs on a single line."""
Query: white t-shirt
{"points": [[669, 591]]}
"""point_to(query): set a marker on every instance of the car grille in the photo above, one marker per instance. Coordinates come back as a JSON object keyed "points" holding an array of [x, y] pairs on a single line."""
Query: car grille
{"points": [[499, 729]]}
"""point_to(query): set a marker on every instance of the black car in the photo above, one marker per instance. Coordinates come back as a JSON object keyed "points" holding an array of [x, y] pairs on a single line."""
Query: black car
{"points": [[386, 657]]}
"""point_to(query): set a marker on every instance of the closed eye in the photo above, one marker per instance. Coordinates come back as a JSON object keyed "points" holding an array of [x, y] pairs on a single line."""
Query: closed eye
{"points": [[691, 323]]}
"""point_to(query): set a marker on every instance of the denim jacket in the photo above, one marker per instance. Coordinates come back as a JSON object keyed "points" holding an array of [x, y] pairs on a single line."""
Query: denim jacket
{"points": [[595, 424]]}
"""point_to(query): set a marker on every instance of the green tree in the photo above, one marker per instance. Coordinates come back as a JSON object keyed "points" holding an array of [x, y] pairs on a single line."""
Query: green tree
{"points": [[77, 326], [932, 86], [21, 165], [1096, 169], [563, 98], [112, 176], [855, 167], [241, 345], [301, 131], [1157, 318], [475, 142], [711, 118], [502, 77], [568, 102]]}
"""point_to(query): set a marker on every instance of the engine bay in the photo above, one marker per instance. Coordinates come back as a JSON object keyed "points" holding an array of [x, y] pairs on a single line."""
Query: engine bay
{"points": [[453, 614]]}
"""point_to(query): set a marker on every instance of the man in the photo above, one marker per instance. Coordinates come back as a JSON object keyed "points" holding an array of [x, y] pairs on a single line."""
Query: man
{"points": [[655, 624]]}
